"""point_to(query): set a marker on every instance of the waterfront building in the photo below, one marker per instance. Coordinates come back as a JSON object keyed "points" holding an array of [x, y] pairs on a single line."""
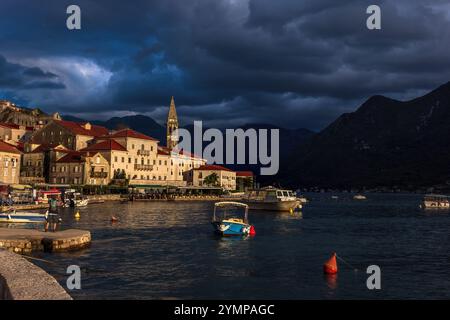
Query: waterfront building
{"points": [[80, 168], [14, 133], [72, 135], [244, 180], [176, 167], [130, 152], [36, 161], [9, 163], [213, 176]]}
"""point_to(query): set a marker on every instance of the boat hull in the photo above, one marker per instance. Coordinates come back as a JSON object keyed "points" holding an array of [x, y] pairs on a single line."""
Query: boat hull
{"points": [[22, 218], [436, 205], [273, 206], [225, 228]]}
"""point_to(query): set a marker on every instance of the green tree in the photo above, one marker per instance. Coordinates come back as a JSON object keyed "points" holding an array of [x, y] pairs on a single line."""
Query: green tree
{"points": [[211, 180]]}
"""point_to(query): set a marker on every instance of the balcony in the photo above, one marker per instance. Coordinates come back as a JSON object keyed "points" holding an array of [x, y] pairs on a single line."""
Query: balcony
{"points": [[99, 175], [142, 152], [145, 167]]}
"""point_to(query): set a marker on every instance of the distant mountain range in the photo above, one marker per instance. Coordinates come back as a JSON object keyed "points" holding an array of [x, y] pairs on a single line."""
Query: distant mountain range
{"points": [[289, 138], [384, 143], [138, 122]]}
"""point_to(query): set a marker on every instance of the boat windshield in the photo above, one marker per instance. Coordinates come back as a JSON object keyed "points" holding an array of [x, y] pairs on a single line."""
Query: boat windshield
{"points": [[230, 211], [437, 197]]}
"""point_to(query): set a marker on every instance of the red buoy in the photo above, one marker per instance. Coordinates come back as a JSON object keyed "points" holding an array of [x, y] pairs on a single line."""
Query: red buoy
{"points": [[330, 266], [252, 231]]}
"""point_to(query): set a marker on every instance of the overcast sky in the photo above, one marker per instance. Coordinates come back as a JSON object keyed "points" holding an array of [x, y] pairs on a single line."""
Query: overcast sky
{"points": [[291, 63]]}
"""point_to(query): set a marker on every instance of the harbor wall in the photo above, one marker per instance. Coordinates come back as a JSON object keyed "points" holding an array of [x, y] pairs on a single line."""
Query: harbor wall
{"points": [[22, 280], [24, 241]]}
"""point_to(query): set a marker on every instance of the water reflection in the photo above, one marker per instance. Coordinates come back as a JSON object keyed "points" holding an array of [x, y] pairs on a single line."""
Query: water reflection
{"points": [[331, 280], [168, 249]]}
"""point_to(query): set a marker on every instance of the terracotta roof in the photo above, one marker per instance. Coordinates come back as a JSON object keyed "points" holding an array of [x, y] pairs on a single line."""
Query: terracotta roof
{"points": [[6, 147], [244, 174], [20, 146], [78, 128], [129, 133], [105, 145], [166, 151], [9, 125], [163, 151], [213, 167], [74, 157], [46, 147]]}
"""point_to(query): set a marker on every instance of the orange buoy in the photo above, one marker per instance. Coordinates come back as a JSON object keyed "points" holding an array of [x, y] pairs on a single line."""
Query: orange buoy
{"points": [[330, 266], [114, 219]]}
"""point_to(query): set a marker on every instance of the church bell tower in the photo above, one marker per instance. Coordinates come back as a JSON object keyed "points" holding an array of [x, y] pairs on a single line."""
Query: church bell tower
{"points": [[172, 125]]}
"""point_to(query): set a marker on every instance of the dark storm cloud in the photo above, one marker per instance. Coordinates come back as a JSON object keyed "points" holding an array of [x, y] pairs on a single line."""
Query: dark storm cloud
{"points": [[289, 62], [18, 77]]}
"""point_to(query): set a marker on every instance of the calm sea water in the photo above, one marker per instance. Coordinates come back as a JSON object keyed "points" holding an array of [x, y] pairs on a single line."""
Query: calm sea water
{"points": [[165, 250]]}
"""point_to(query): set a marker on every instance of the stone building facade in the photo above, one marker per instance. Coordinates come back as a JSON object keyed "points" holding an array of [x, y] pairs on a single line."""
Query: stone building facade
{"points": [[9, 163], [226, 178], [71, 135]]}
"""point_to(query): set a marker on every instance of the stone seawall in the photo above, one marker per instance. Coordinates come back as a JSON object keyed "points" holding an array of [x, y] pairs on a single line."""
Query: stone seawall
{"points": [[22, 280], [24, 241], [104, 197]]}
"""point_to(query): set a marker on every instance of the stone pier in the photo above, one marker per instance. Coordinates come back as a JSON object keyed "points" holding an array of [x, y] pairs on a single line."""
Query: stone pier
{"points": [[22, 280], [24, 241]]}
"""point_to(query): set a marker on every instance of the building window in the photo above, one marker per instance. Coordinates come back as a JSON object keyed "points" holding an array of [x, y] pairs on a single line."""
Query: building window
{"points": [[123, 159], [142, 147], [97, 160], [115, 159], [5, 172], [132, 146], [129, 160]]}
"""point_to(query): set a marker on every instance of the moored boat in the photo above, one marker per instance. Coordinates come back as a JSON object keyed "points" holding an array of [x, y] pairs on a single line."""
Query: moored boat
{"points": [[75, 199], [227, 222], [272, 199], [23, 217], [436, 201], [359, 197]]}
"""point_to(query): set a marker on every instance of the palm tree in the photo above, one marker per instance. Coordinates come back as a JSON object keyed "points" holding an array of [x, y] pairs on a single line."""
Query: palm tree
{"points": [[211, 180]]}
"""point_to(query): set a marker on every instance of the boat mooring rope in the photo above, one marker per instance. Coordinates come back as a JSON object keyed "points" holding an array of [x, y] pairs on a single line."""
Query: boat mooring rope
{"points": [[38, 259], [348, 264]]}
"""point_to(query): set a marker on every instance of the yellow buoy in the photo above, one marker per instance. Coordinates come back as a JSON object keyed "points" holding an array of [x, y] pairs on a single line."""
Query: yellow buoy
{"points": [[77, 215]]}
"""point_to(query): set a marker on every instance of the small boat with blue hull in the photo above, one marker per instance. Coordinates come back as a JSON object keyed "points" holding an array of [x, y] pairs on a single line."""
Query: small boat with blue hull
{"points": [[23, 217], [227, 222]]}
